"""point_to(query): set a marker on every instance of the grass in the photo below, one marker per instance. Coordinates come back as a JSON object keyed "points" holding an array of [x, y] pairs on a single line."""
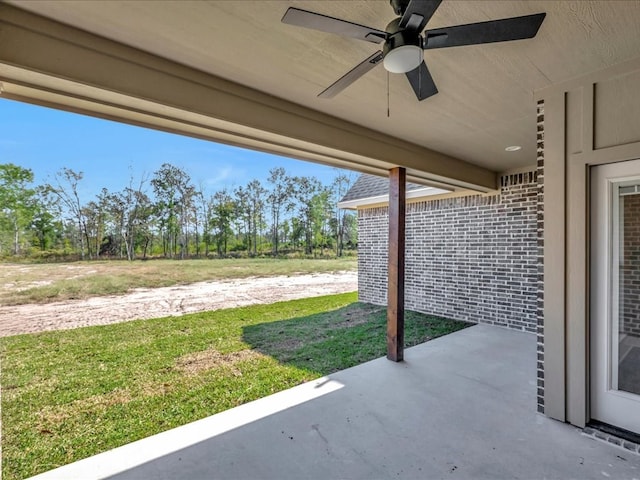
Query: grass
{"points": [[45, 283], [71, 394]]}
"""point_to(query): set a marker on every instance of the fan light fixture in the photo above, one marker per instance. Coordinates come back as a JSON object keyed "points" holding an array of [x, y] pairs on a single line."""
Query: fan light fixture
{"points": [[403, 59]]}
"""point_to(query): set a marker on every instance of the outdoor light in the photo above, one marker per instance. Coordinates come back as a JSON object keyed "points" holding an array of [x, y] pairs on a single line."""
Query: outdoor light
{"points": [[402, 49], [403, 59]]}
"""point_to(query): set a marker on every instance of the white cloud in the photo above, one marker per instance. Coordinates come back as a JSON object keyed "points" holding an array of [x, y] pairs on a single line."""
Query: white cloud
{"points": [[224, 175]]}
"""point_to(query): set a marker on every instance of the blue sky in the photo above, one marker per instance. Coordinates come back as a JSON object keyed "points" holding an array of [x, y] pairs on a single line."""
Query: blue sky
{"points": [[109, 153]]}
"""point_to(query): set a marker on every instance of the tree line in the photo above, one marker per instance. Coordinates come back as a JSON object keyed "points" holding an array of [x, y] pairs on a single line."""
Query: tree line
{"points": [[166, 215]]}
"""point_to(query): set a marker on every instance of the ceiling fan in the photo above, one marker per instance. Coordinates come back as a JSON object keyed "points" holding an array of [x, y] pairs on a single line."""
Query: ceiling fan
{"points": [[404, 41]]}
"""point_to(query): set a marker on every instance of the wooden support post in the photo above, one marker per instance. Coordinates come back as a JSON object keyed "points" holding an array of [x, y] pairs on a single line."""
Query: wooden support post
{"points": [[395, 285]]}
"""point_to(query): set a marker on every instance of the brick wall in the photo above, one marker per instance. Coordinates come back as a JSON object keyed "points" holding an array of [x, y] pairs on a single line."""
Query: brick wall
{"points": [[472, 258], [630, 268], [373, 242]]}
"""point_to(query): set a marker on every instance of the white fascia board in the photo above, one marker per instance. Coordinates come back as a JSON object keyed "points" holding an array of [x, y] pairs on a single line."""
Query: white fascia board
{"points": [[420, 192]]}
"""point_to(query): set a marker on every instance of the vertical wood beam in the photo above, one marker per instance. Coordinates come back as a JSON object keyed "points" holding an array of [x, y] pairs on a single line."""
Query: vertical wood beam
{"points": [[395, 284]]}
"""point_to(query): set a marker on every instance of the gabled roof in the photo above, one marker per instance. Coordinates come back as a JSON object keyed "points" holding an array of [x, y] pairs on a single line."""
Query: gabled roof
{"points": [[372, 186], [370, 189]]}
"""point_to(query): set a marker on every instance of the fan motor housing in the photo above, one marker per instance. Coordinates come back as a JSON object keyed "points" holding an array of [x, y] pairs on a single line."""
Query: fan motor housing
{"points": [[398, 37]]}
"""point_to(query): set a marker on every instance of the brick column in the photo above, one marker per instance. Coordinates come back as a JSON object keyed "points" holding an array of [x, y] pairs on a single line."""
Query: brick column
{"points": [[540, 228]]}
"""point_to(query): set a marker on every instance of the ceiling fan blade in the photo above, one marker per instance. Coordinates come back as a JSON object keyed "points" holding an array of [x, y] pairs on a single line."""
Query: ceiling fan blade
{"points": [[418, 13], [316, 21], [516, 28], [422, 82], [353, 75]]}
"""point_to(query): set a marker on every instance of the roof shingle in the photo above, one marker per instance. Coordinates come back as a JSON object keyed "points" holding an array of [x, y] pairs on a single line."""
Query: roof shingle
{"points": [[367, 186]]}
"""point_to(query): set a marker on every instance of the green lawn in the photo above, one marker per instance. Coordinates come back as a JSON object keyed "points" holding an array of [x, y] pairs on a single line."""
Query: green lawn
{"points": [[44, 283], [71, 394]]}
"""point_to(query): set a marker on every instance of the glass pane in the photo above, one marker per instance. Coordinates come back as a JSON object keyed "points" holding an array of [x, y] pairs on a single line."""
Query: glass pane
{"points": [[628, 190], [628, 334]]}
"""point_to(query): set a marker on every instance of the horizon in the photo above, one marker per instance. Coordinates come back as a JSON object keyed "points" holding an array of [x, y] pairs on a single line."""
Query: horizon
{"points": [[110, 153]]}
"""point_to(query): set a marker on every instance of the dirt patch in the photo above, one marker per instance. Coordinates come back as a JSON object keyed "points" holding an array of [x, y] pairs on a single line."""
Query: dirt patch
{"points": [[54, 415], [197, 362], [171, 301], [358, 316], [16, 278], [289, 344]]}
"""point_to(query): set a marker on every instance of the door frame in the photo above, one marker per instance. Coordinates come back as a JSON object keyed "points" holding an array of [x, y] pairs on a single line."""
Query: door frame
{"points": [[578, 129], [604, 204]]}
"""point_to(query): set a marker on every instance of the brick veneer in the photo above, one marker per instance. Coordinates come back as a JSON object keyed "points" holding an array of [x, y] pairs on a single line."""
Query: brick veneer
{"points": [[630, 268], [472, 258]]}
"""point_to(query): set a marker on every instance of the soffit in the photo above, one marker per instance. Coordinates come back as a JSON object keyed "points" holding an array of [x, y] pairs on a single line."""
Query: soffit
{"points": [[486, 97]]}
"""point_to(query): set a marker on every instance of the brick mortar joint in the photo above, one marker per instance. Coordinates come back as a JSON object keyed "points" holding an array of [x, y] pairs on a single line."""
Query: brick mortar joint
{"points": [[609, 439]]}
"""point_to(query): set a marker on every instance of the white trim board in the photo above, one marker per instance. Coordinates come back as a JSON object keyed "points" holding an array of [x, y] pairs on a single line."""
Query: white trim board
{"points": [[420, 192]]}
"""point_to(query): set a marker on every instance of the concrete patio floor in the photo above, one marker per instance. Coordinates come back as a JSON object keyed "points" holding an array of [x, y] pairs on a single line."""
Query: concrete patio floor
{"points": [[461, 406]]}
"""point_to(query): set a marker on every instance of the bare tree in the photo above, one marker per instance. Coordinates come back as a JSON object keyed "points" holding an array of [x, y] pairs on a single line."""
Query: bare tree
{"points": [[66, 189], [131, 212]]}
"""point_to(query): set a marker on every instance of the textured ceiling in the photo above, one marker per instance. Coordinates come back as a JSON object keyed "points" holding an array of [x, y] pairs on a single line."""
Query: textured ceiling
{"points": [[486, 92]]}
